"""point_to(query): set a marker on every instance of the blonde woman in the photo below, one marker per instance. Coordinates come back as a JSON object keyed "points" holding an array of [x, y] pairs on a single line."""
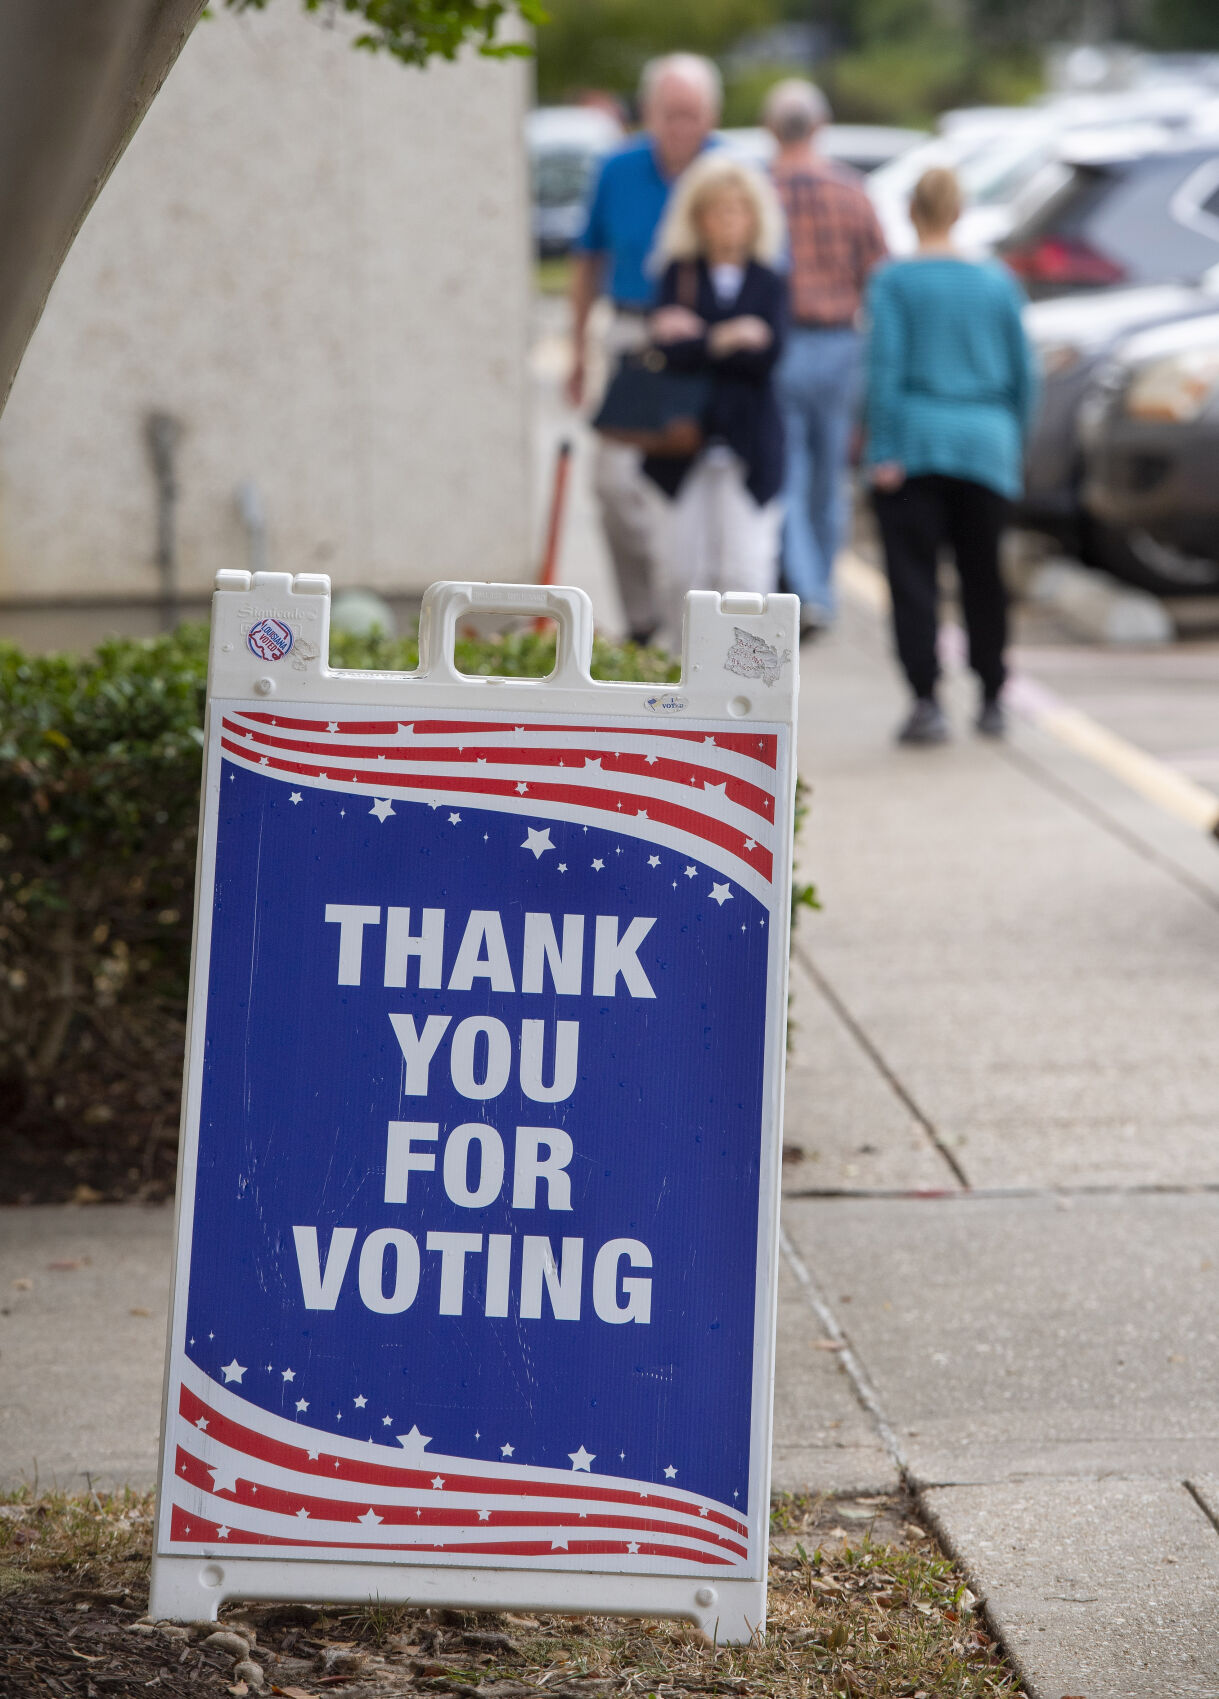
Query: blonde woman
{"points": [[721, 313]]}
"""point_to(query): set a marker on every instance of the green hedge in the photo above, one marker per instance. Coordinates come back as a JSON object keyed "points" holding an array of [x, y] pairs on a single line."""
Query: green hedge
{"points": [[99, 794]]}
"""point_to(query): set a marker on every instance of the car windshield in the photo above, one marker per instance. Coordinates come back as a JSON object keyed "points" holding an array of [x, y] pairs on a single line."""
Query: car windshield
{"points": [[997, 172]]}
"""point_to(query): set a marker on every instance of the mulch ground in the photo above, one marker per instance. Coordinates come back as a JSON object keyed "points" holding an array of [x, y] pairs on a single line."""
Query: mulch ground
{"points": [[861, 1604]]}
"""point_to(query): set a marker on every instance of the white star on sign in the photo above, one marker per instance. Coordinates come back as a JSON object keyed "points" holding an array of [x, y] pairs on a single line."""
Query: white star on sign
{"points": [[224, 1477], [289, 1374], [632, 1545], [360, 1401], [702, 1510], [233, 1371], [538, 842], [222, 1533], [653, 861], [370, 1518], [312, 1456], [332, 725], [387, 1421], [263, 761], [296, 797], [670, 1472], [641, 813], [581, 1459], [484, 1516], [715, 790], [437, 1481], [506, 1450], [202, 1423], [592, 766], [521, 787], [302, 1404], [651, 760], [690, 872], [414, 1442], [720, 894], [559, 1544], [598, 865], [382, 808], [562, 867], [302, 1514], [454, 819], [751, 843]]}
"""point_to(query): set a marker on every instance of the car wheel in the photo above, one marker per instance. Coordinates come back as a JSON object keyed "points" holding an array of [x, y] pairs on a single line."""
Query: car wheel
{"points": [[1138, 558]]}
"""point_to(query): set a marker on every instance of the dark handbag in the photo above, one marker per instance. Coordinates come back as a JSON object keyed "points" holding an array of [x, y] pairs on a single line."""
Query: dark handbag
{"points": [[649, 406]]}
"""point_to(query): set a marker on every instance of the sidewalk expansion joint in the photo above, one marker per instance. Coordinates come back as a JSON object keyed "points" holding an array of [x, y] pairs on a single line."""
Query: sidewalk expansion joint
{"points": [[1203, 1506], [864, 1391], [865, 1043]]}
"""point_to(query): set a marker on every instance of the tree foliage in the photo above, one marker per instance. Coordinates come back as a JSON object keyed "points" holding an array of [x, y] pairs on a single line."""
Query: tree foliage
{"points": [[605, 43], [415, 31]]}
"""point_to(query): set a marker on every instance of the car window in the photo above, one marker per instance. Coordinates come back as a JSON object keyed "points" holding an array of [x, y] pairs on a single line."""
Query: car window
{"points": [[1073, 194], [1136, 225]]}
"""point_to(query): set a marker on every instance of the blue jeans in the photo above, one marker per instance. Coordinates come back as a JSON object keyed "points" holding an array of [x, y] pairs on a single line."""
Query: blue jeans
{"points": [[817, 384]]}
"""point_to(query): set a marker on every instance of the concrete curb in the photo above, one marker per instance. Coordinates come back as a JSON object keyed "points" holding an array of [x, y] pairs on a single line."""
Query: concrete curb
{"points": [[1099, 608]]}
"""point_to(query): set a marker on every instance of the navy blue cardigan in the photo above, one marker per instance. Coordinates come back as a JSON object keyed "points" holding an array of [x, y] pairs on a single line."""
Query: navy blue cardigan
{"points": [[743, 411]]}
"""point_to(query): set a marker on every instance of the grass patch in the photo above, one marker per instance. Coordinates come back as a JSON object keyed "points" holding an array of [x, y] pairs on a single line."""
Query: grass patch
{"points": [[552, 275], [866, 1608]]}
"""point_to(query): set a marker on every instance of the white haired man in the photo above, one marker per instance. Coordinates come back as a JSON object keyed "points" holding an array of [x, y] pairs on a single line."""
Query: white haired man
{"points": [[834, 241], [680, 98]]}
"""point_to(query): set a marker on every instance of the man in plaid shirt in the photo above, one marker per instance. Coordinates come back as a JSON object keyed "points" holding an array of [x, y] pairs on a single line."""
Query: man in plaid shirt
{"points": [[834, 242]]}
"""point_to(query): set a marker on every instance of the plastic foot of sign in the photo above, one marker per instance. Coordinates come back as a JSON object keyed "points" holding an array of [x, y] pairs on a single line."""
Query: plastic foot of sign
{"points": [[189, 1590], [474, 1291]]}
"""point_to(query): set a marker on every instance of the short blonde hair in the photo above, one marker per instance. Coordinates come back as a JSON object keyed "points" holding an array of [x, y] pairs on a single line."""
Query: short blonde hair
{"points": [[935, 203], [712, 173]]}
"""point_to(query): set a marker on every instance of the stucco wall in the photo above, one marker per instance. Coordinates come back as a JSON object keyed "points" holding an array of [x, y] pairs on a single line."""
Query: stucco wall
{"points": [[318, 261]]}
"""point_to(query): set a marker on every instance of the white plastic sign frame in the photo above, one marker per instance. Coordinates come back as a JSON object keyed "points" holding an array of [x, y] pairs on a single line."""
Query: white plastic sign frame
{"points": [[476, 1235]]}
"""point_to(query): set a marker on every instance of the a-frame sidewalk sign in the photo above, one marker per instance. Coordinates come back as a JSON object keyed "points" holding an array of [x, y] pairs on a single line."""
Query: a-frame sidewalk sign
{"points": [[474, 1292]]}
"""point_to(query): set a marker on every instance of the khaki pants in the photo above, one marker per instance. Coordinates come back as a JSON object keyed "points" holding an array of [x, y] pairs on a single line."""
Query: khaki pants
{"points": [[625, 498]]}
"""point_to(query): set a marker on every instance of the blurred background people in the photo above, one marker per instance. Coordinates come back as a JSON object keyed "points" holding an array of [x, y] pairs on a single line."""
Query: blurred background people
{"points": [[722, 312], [680, 101], [950, 393], [834, 240]]}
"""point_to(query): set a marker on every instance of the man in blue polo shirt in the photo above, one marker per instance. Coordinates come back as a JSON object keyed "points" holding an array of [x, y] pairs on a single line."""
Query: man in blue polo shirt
{"points": [[679, 98]]}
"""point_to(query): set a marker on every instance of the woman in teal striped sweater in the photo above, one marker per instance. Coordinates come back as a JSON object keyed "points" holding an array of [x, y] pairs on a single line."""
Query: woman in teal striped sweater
{"points": [[951, 390]]}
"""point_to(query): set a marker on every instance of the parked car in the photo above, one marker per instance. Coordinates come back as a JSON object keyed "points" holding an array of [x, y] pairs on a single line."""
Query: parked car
{"points": [[566, 144], [1131, 207], [1074, 335], [1149, 428]]}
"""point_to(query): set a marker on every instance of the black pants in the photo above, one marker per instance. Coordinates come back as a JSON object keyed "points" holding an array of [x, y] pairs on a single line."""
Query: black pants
{"points": [[915, 520]]}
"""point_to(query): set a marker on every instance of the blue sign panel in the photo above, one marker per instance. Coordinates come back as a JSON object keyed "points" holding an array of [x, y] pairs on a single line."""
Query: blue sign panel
{"points": [[471, 1218]]}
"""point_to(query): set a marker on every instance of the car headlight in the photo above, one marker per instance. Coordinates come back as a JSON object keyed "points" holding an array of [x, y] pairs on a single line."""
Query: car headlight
{"points": [[1057, 358], [1174, 390]]}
